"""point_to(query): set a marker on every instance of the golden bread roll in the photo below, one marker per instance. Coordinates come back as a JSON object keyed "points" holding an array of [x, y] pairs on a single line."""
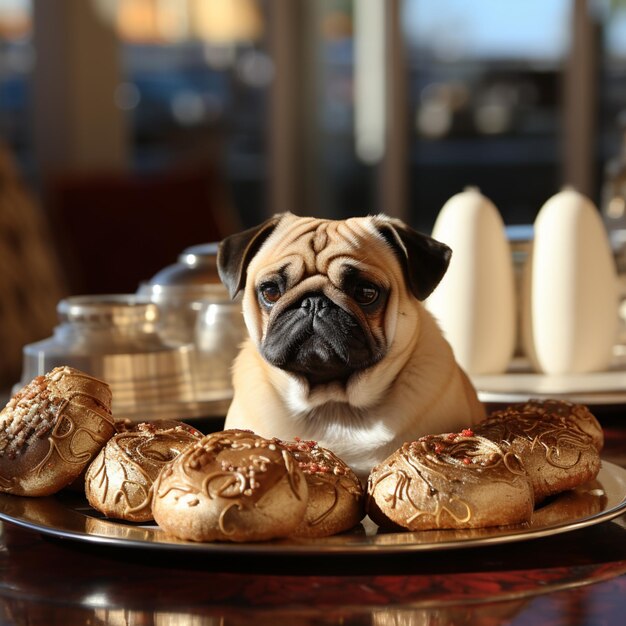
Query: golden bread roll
{"points": [[453, 480], [335, 500], [231, 486], [126, 425], [119, 481], [557, 442], [51, 429], [583, 501]]}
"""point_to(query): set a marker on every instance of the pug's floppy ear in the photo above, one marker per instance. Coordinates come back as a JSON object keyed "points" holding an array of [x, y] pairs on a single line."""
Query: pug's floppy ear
{"points": [[236, 251], [424, 259]]}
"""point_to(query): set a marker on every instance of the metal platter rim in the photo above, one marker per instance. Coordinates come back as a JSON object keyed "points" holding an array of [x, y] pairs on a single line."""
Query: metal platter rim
{"points": [[55, 517]]}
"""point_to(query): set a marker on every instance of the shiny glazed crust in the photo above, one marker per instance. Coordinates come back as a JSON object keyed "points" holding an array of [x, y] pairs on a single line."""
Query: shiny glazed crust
{"points": [[335, 502], [51, 429], [231, 486], [119, 481], [453, 480], [557, 442], [468, 479]]}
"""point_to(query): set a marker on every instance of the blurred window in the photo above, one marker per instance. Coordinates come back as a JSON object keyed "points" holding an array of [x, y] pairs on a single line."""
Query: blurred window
{"points": [[16, 63], [483, 85], [612, 113], [485, 102], [345, 177], [196, 82], [613, 75], [197, 78]]}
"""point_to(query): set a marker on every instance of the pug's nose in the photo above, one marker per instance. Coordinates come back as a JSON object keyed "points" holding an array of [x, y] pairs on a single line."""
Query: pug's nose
{"points": [[315, 304]]}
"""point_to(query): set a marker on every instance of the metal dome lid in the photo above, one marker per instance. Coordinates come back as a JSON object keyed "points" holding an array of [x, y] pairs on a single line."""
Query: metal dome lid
{"points": [[196, 266]]}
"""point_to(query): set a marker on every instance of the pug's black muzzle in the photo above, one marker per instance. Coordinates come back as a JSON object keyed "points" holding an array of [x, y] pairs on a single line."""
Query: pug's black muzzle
{"points": [[319, 340]]}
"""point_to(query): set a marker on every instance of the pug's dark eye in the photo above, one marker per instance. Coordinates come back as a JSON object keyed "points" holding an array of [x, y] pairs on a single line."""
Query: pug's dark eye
{"points": [[365, 293], [270, 292]]}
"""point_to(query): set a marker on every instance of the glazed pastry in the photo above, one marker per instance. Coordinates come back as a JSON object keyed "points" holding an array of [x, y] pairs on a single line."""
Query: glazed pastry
{"points": [[127, 426], [577, 419], [119, 481], [558, 442], [51, 429], [335, 502], [583, 501], [231, 486], [453, 480]]}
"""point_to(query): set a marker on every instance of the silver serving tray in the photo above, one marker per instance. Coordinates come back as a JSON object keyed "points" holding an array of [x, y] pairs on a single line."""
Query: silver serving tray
{"points": [[68, 516]]}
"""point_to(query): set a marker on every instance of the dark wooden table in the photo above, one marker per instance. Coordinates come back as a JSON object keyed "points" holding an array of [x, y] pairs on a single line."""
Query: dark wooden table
{"points": [[574, 578]]}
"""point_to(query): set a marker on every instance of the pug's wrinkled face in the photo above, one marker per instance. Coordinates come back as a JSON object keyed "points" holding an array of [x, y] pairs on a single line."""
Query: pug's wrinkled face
{"points": [[322, 297], [318, 295]]}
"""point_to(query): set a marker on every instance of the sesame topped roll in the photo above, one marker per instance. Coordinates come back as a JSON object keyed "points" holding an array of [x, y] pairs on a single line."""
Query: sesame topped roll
{"points": [[51, 429]]}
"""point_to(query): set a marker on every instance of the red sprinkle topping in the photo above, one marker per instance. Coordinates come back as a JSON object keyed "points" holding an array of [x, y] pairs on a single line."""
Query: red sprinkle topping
{"points": [[467, 432], [438, 448], [467, 460]]}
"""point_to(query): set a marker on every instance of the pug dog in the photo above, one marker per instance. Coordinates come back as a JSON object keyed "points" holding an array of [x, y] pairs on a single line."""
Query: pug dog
{"points": [[341, 349]]}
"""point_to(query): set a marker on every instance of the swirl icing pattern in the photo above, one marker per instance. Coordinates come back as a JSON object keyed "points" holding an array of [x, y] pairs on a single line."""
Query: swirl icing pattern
{"points": [[119, 482], [335, 501], [231, 486], [490, 476], [551, 423], [51, 429], [558, 442], [452, 480]]}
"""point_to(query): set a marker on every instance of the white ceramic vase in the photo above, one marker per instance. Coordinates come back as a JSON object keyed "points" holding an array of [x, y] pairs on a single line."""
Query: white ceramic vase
{"points": [[570, 292], [475, 302]]}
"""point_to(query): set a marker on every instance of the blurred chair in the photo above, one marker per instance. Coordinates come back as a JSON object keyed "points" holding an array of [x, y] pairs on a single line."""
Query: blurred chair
{"points": [[115, 231], [31, 281]]}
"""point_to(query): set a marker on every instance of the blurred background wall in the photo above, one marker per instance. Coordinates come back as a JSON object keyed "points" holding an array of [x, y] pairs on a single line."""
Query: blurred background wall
{"points": [[139, 127]]}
